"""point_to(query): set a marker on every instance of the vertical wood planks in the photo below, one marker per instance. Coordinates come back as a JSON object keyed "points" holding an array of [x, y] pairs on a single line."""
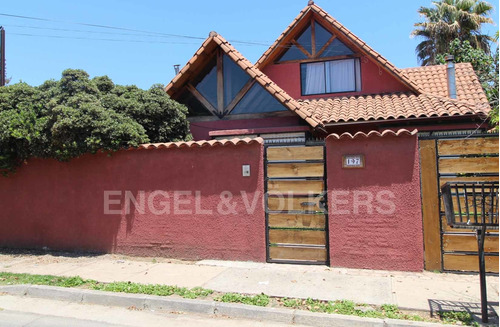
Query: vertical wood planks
{"points": [[430, 205]]}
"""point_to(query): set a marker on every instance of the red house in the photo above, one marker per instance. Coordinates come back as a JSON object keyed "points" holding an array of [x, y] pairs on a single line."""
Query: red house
{"points": [[326, 164], [319, 78]]}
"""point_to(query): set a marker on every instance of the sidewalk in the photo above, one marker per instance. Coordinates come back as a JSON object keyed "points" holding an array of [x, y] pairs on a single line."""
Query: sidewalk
{"points": [[415, 291]]}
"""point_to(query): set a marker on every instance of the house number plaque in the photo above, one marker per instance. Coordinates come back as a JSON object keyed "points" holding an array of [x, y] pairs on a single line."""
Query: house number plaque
{"points": [[353, 161]]}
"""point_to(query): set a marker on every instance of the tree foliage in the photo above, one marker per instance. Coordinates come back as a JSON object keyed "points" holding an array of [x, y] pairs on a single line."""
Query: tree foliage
{"points": [[485, 66], [77, 115], [449, 20]]}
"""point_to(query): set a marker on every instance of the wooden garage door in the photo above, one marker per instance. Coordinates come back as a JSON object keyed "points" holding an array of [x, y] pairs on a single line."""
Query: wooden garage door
{"points": [[296, 222]]}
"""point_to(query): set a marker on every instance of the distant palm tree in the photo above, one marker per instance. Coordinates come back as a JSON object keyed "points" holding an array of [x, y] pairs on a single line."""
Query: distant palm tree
{"points": [[449, 20]]}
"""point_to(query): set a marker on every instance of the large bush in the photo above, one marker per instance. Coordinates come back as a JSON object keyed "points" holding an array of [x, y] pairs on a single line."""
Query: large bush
{"points": [[76, 115]]}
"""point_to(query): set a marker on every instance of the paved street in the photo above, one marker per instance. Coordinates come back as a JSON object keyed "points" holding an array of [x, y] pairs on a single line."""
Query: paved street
{"points": [[408, 290], [35, 312]]}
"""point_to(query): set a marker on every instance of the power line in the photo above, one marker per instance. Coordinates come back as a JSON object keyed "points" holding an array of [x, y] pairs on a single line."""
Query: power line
{"points": [[97, 39], [102, 26], [127, 29], [79, 31], [109, 33], [143, 33]]}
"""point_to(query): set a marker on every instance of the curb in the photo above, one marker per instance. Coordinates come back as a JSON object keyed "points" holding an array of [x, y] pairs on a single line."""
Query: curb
{"points": [[234, 310]]}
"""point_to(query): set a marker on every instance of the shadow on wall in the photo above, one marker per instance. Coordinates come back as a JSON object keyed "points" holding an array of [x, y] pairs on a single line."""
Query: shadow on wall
{"points": [[82, 205]]}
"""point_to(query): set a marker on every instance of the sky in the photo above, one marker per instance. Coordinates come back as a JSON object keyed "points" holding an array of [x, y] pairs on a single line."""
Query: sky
{"points": [[143, 51]]}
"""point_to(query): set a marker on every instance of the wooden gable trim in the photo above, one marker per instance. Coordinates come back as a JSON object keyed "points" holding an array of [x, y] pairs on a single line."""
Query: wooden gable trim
{"points": [[312, 11], [191, 71], [220, 83], [287, 39], [239, 96], [327, 44], [193, 67], [320, 59], [301, 22], [301, 48], [202, 99], [313, 38], [316, 56]]}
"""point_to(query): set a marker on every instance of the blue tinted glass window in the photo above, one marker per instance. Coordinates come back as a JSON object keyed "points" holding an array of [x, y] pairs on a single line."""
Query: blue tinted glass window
{"points": [[234, 79], [208, 86], [293, 54], [195, 108], [336, 48], [305, 39], [322, 36], [257, 100]]}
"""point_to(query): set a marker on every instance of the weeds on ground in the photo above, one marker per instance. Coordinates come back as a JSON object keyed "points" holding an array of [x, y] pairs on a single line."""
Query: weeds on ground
{"points": [[125, 287], [454, 317], [345, 307], [261, 300], [11, 278], [334, 307], [153, 289]]}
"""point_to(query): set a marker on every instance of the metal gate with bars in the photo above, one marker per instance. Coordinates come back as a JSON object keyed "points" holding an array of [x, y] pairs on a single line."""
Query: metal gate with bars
{"points": [[295, 186]]}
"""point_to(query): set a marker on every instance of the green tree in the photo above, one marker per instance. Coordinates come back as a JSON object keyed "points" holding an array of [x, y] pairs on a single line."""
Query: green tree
{"points": [[77, 115], [485, 66], [163, 118], [449, 20]]}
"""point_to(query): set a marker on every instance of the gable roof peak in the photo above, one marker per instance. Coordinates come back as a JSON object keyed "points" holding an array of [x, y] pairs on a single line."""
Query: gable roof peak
{"points": [[342, 31], [217, 41], [310, 3], [212, 34]]}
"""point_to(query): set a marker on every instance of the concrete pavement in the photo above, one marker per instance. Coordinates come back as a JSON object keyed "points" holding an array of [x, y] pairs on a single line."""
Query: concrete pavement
{"points": [[416, 291]]}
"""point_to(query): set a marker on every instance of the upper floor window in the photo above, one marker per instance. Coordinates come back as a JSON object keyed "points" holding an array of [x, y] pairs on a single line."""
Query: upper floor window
{"points": [[330, 76], [327, 65]]}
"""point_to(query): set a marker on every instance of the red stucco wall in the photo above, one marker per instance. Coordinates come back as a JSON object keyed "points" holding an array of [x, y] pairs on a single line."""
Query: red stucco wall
{"points": [[61, 205], [383, 239], [373, 80]]}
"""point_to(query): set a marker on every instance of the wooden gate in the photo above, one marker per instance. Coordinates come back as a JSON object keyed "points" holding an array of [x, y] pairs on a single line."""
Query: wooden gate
{"points": [[296, 222], [446, 159]]}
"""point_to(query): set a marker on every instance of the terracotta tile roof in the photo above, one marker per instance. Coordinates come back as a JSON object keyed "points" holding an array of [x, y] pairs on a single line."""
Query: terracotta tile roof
{"points": [[433, 80], [199, 144], [215, 40], [387, 106], [387, 132], [346, 33]]}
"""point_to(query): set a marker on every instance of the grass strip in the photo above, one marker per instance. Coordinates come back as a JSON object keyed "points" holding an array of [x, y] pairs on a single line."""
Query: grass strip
{"points": [[123, 287], [332, 307]]}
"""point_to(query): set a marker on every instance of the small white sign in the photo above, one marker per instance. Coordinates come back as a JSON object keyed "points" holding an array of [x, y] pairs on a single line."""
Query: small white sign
{"points": [[353, 161], [245, 170]]}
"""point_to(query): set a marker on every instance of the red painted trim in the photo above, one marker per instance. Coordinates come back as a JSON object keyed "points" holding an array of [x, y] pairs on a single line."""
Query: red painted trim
{"points": [[247, 131]]}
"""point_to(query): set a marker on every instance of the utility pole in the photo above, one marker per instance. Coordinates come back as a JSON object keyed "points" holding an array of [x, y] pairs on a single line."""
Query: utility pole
{"points": [[2, 56]]}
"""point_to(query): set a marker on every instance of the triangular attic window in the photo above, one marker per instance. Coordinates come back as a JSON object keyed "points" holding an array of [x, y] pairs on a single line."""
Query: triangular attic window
{"points": [[257, 100], [336, 48], [234, 79], [293, 54], [325, 45], [208, 85], [237, 92]]}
